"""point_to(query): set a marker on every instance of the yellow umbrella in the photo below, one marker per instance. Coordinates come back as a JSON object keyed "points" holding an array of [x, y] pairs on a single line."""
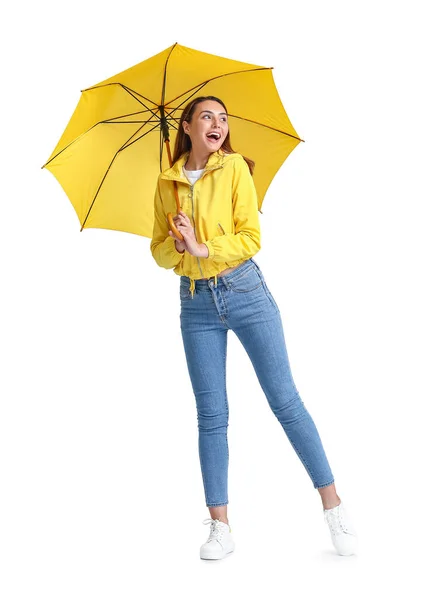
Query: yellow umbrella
{"points": [[109, 157]]}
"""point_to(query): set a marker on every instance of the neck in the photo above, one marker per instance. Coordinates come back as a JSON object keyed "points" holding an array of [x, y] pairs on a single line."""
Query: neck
{"points": [[197, 160]]}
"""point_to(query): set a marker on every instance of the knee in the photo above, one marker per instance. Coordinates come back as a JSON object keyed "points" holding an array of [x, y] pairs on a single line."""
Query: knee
{"points": [[289, 408], [213, 421]]}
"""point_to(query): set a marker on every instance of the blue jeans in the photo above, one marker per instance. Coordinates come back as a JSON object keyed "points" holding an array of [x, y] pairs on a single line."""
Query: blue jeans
{"points": [[242, 302]]}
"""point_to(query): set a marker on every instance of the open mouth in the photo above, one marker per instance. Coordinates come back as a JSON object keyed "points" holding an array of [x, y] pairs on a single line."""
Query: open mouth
{"points": [[213, 137]]}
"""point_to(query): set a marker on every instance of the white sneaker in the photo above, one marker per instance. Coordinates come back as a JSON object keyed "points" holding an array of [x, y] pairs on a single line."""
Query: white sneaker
{"points": [[219, 542], [344, 537]]}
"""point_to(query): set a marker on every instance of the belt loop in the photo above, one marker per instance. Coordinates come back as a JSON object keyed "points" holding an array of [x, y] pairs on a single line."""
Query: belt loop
{"points": [[224, 280]]}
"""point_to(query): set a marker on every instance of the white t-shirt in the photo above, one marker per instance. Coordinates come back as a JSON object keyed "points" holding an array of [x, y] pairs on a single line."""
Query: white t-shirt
{"points": [[193, 175]]}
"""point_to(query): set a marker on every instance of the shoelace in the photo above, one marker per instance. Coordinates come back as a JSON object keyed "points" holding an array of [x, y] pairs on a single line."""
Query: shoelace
{"points": [[216, 530], [335, 519]]}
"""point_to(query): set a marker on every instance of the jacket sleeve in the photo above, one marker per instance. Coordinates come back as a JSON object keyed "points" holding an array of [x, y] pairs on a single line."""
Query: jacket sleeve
{"points": [[162, 246], [246, 241]]}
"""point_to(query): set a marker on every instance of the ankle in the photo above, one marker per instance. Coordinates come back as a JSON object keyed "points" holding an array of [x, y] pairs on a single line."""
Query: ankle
{"points": [[333, 504], [222, 520]]}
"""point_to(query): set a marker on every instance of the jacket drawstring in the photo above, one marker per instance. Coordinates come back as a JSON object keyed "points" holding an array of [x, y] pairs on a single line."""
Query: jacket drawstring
{"points": [[192, 285]]}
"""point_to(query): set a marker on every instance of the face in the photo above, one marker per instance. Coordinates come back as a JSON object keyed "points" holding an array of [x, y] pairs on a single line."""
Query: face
{"points": [[208, 119]]}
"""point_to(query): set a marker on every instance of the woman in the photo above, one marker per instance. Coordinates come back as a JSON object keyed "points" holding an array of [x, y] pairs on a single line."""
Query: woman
{"points": [[222, 288]]}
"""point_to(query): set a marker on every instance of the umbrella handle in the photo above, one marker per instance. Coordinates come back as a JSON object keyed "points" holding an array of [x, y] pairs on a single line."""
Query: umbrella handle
{"points": [[170, 216], [173, 228], [171, 225]]}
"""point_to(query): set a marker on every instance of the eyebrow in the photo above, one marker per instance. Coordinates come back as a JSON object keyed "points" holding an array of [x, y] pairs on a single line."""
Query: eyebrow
{"points": [[210, 111]]}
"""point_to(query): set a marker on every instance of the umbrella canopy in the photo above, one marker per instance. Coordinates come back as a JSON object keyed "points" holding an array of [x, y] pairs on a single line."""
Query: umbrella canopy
{"points": [[110, 155]]}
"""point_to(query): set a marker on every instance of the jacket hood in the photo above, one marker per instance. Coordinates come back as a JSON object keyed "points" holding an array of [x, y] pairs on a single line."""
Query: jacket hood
{"points": [[215, 159]]}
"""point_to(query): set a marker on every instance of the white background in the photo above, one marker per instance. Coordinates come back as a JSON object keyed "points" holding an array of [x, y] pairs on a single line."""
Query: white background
{"points": [[101, 490]]}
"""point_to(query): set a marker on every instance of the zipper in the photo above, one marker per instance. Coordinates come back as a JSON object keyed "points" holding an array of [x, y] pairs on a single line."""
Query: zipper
{"points": [[192, 185]]}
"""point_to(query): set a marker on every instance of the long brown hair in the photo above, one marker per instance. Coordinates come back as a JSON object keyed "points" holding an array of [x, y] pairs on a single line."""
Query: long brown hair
{"points": [[183, 143]]}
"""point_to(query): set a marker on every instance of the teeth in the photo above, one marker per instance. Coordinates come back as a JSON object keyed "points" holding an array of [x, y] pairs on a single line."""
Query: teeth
{"points": [[216, 135]]}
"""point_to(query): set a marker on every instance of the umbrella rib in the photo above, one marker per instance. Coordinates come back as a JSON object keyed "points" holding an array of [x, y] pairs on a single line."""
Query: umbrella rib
{"points": [[197, 89], [173, 118], [94, 87], [165, 75], [86, 132], [113, 122], [73, 142], [123, 147], [127, 145], [134, 91], [128, 90], [199, 85], [266, 126], [138, 112], [250, 121]]}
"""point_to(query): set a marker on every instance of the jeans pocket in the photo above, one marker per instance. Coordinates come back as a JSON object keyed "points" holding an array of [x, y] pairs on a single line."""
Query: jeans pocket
{"points": [[248, 281], [185, 293], [265, 286]]}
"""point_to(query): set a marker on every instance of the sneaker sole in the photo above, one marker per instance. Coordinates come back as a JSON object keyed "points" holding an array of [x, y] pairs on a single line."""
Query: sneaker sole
{"points": [[206, 557]]}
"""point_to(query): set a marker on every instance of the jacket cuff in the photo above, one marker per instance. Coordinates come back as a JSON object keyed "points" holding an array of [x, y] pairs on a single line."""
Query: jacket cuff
{"points": [[171, 251]]}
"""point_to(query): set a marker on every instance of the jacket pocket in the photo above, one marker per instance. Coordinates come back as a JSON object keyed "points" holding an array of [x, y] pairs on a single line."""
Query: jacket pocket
{"points": [[224, 233]]}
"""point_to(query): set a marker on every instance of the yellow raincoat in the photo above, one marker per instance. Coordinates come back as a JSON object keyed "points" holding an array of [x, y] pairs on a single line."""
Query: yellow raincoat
{"points": [[222, 206]]}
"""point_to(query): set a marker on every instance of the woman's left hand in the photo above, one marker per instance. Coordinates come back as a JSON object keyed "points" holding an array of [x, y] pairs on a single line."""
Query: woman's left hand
{"points": [[183, 224]]}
